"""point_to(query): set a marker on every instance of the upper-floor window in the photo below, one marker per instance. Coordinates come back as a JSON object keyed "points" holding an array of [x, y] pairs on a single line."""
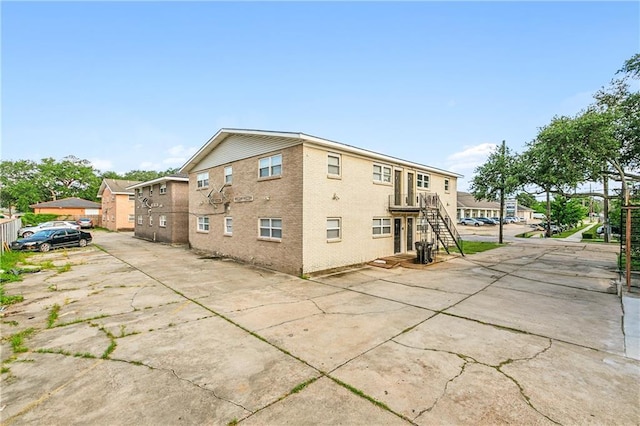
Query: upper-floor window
{"points": [[163, 188], [202, 180], [132, 197], [203, 224], [162, 221], [271, 228], [381, 173], [446, 185], [422, 181], [151, 190], [228, 175], [228, 226], [381, 226], [333, 164], [271, 166]]}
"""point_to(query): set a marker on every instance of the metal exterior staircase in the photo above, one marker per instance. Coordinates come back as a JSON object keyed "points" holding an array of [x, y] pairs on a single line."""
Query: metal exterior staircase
{"points": [[432, 210]]}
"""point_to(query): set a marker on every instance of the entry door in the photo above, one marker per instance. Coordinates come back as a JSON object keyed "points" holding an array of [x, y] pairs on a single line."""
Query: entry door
{"points": [[409, 233], [410, 195], [397, 236], [397, 185]]}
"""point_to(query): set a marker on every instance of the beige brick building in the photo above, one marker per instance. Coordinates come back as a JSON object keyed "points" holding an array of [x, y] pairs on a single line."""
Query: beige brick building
{"points": [[162, 209], [300, 204], [117, 202]]}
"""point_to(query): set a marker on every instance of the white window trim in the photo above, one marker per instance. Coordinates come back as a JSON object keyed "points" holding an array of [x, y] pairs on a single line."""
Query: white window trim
{"points": [[271, 228], [382, 174], [423, 181], [228, 225], [202, 180], [150, 220], [270, 167], [228, 175], [447, 185], [202, 226], [381, 227], [329, 165], [333, 228], [140, 221], [163, 188], [162, 221]]}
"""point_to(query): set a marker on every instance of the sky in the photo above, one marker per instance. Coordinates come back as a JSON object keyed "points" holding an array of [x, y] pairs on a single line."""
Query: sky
{"points": [[143, 85]]}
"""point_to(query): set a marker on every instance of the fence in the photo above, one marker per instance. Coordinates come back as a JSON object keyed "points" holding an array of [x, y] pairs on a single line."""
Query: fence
{"points": [[9, 232]]}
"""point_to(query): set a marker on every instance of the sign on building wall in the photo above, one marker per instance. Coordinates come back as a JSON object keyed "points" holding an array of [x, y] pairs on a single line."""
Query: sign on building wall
{"points": [[511, 207]]}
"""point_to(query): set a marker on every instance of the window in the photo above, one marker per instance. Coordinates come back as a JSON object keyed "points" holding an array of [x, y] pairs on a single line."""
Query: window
{"points": [[228, 226], [162, 221], [381, 226], [132, 197], [422, 181], [271, 166], [139, 192], [228, 175], [132, 217], [381, 173], [446, 185], [151, 190], [333, 228], [202, 180], [333, 164], [271, 228], [150, 220], [140, 220], [203, 224], [163, 188]]}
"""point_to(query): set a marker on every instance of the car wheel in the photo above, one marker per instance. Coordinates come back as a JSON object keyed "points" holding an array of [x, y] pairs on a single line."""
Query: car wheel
{"points": [[44, 247], [27, 234], [82, 243], [477, 224]]}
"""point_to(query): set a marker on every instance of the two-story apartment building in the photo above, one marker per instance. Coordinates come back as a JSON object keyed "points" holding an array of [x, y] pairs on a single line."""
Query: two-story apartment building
{"points": [[162, 209], [300, 204], [118, 206]]}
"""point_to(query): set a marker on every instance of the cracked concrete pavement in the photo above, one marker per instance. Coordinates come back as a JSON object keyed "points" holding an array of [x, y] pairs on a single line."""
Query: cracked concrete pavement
{"points": [[152, 334]]}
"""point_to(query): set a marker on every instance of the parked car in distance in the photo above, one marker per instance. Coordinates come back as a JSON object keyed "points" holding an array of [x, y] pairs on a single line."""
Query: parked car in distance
{"points": [[487, 221], [470, 221], [47, 239], [85, 222], [615, 230], [30, 230], [510, 219]]}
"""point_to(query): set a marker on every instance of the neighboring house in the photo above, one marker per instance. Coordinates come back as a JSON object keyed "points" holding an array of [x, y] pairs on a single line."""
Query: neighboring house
{"points": [[162, 209], [468, 206], [300, 204], [118, 205], [71, 208]]}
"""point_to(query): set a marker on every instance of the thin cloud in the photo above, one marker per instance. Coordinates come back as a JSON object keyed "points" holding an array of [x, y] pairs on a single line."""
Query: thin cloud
{"points": [[102, 165], [471, 156]]}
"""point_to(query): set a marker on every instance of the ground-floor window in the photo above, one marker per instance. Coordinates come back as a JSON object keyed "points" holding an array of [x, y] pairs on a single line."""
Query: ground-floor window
{"points": [[140, 220], [334, 228], [150, 220], [162, 221], [381, 226], [228, 226], [271, 228], [132, 217], [203, 224]]}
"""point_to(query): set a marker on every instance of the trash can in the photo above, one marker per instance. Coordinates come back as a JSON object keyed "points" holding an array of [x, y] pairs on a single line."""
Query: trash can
{"points": [[427, 255], [419, 252]]}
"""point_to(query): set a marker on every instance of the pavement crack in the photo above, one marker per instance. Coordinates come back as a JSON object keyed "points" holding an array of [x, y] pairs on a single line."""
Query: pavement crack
{"points": [[444, 391]]}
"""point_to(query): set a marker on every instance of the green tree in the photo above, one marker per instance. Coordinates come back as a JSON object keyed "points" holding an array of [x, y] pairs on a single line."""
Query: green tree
{"points": [[69, 177], [527, 200], [569, 211], [496, 179], [17, 188]]}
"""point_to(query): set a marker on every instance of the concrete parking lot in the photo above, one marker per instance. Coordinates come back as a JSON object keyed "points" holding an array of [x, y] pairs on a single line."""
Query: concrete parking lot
{"points": [[133, 332]]}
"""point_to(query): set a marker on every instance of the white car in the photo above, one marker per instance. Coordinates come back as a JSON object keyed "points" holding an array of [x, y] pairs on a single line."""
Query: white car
{"points": [[27, 231]]}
